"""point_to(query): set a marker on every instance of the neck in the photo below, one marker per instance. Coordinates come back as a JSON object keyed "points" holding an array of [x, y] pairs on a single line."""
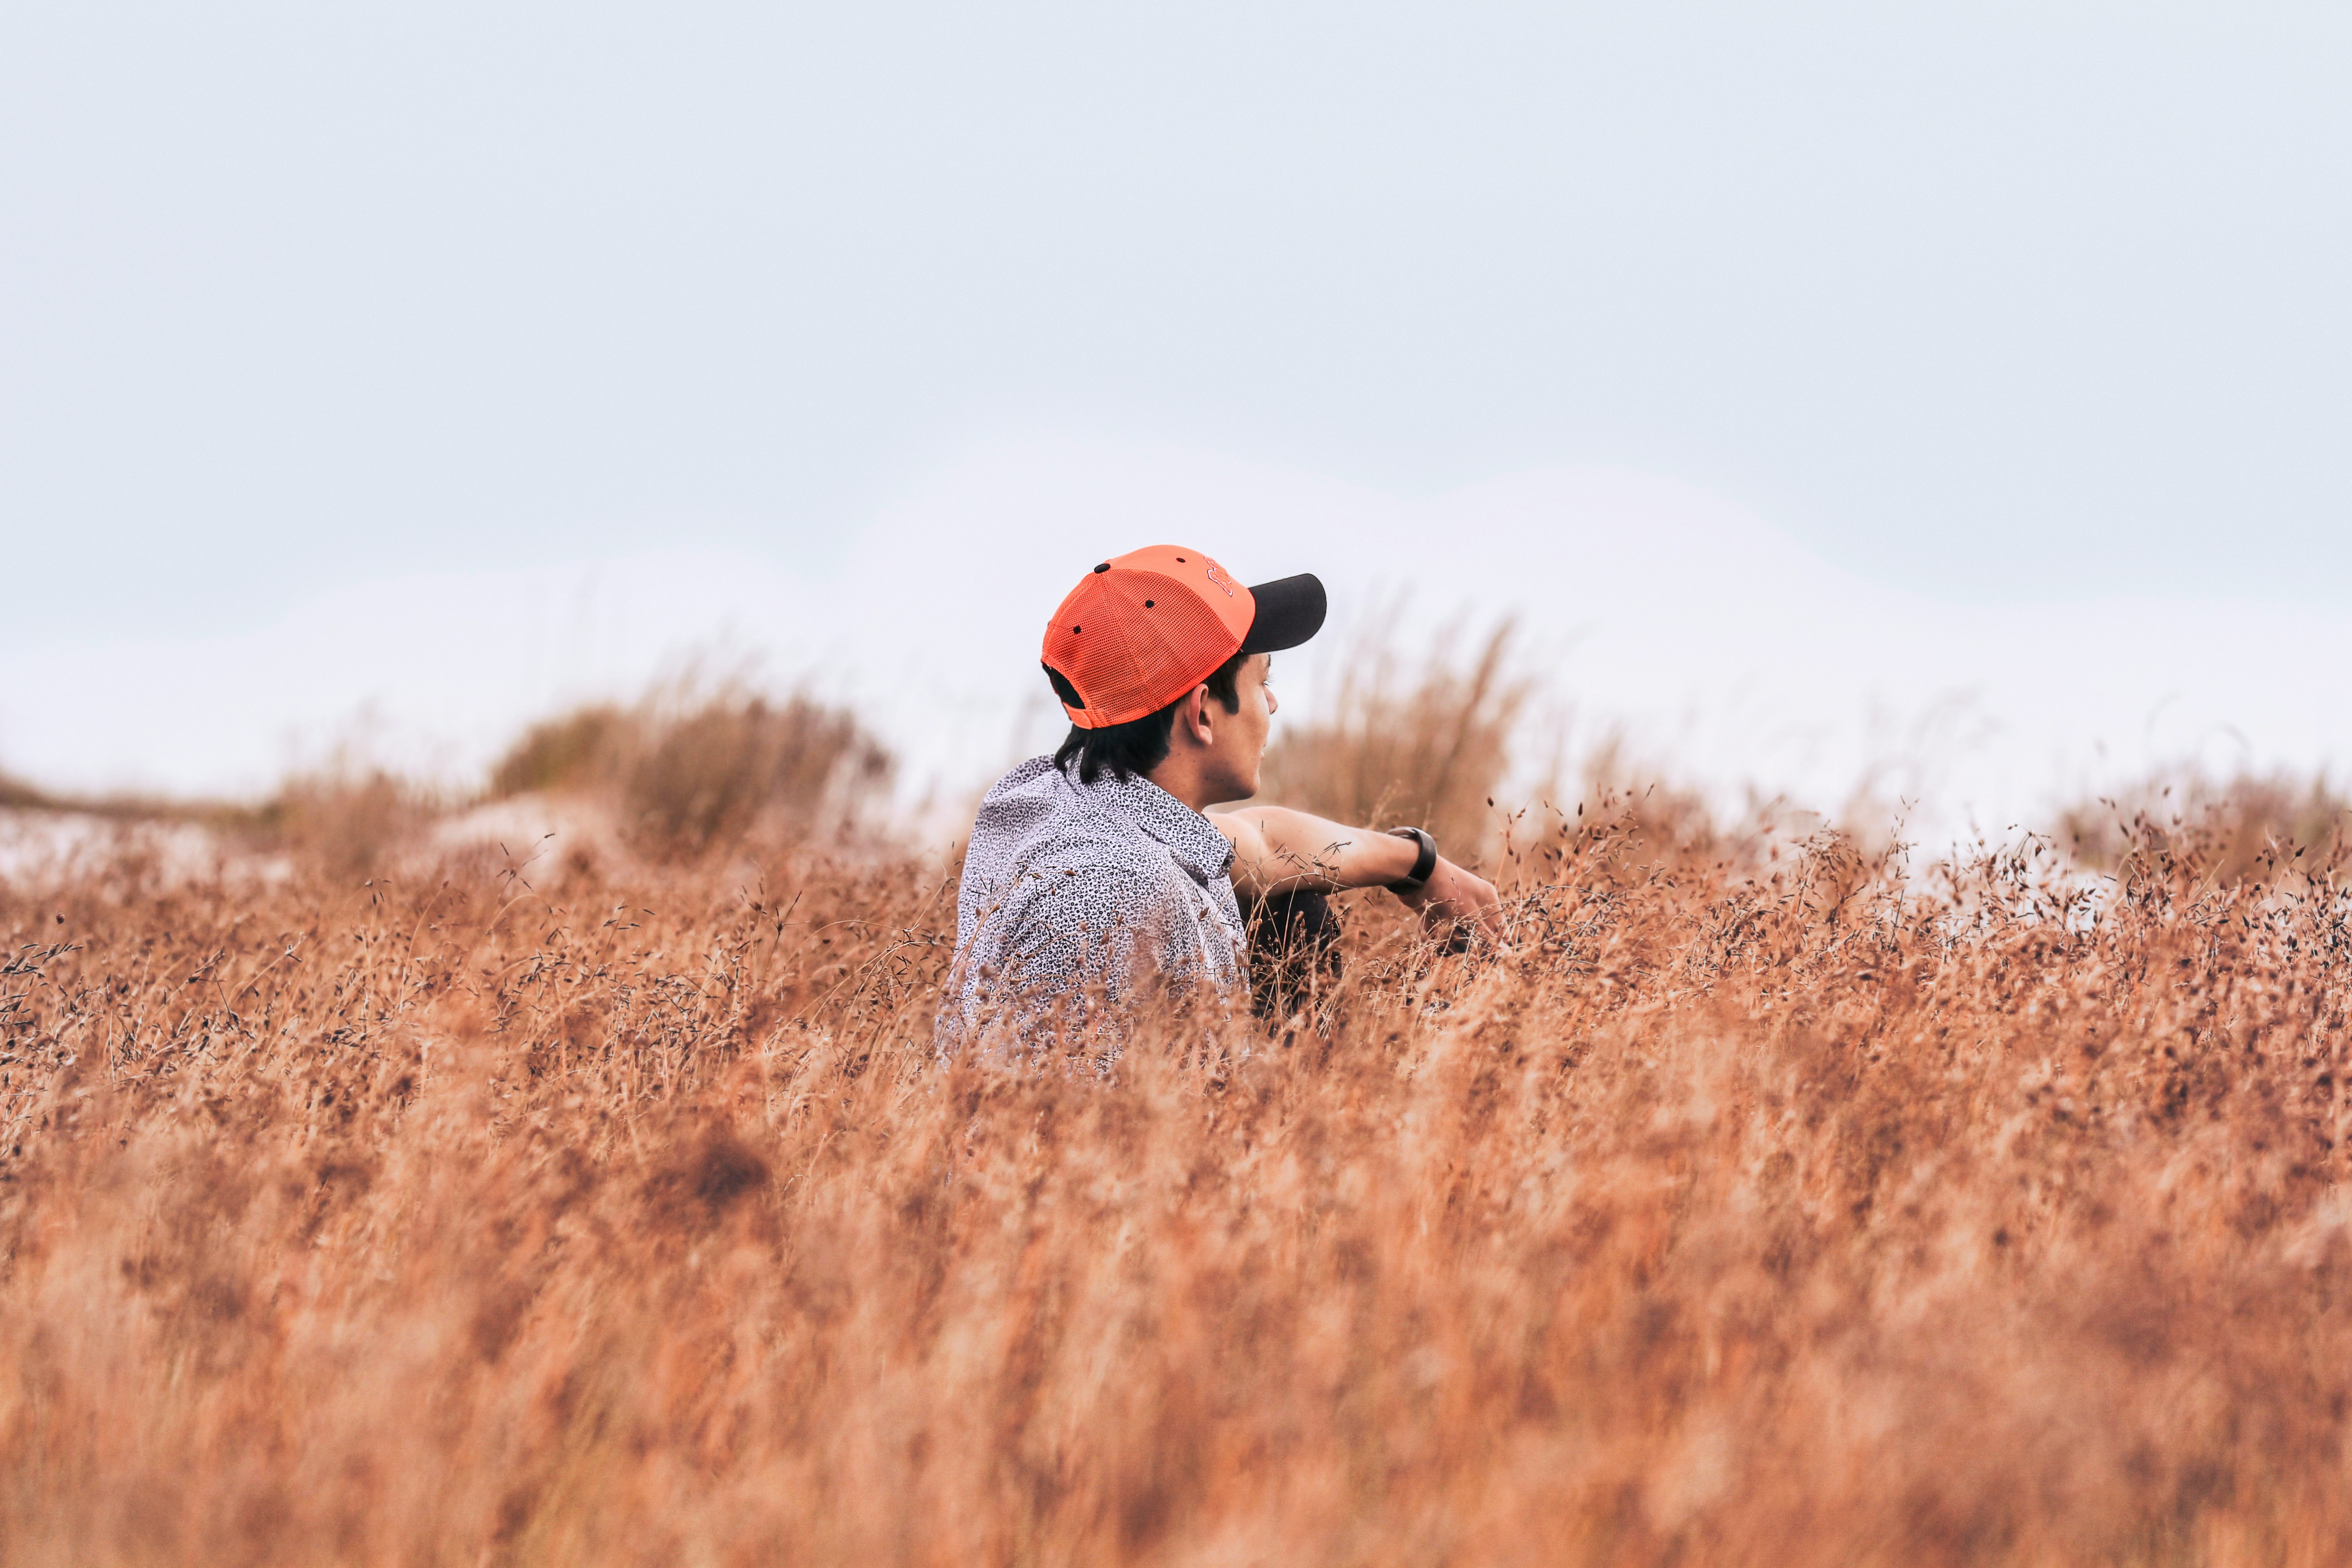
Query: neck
{"points": [[1186, 780]]}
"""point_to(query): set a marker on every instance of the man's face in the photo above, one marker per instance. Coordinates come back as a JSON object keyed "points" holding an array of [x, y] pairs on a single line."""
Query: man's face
{"points": [[1239, 745]]}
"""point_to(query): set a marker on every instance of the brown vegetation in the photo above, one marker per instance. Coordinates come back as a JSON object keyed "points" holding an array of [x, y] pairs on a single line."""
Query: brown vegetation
{"points": [[15, 795], [1428, 749], [341, 822], [2250, 827], [1756, 1204], [697, 768]]}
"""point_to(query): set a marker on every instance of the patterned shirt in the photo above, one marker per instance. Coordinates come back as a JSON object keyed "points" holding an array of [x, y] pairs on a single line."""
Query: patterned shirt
{"points": [[1072, 891]]}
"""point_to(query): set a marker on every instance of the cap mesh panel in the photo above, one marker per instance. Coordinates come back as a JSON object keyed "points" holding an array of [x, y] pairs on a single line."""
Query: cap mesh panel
{"points": [[1129, 661]]}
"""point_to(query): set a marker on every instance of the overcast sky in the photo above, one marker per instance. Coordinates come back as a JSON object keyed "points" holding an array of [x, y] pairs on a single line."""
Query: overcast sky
{"points": [[1981, 303]]}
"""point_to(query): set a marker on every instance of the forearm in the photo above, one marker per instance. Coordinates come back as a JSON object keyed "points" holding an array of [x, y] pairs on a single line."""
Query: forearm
{"points": [[1279, 850]]}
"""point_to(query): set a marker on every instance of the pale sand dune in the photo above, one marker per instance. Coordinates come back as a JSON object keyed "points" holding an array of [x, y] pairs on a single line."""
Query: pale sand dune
{"points": [[46, 847]]}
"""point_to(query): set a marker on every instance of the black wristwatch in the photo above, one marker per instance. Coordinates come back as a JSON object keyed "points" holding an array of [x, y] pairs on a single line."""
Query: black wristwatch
{"points": [[1422, 866]]}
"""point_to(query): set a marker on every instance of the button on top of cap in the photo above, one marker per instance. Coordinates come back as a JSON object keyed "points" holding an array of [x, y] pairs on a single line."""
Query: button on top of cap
{"points": [[1104, 567]]}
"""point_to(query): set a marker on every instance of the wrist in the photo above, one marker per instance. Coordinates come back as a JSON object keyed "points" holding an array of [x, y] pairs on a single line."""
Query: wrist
{"points": [[1425, 865]]}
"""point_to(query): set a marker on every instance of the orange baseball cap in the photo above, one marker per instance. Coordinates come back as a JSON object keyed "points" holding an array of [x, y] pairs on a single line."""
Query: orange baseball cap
{"points": [[1142, 629]]}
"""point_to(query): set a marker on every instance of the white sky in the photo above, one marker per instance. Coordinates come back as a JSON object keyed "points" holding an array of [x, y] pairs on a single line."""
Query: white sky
{"points": [[1994, 361]]}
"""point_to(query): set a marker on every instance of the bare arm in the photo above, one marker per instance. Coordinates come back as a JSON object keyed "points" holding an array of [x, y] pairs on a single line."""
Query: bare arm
{"points": [[1279, 850]]}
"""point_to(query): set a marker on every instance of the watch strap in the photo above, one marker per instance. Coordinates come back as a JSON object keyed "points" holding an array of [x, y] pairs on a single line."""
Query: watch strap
{"points": [[1423, 866]]}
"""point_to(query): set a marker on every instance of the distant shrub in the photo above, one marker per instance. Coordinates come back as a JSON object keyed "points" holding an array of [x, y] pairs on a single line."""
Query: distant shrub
{"points": [[343, 821], [2247, 828], [1427, 748], [581, 748], [708, 775], [17, 795], [695, 767]]}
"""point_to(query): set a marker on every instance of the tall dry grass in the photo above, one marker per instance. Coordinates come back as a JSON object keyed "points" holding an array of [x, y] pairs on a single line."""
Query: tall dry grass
{"points": [[2252, 827], [1424, 745], [1753, 1207]]}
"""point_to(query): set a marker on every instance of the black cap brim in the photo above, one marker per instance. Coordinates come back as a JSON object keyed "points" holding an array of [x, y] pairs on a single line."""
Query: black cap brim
{"points": [[1289, 611]]}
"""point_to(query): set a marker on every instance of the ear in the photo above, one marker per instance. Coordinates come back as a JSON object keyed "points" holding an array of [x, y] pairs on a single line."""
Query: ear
{"points": [[1193, 716]]}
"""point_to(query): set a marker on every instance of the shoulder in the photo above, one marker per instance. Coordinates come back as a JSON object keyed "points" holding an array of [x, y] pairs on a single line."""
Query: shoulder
{"points": [[1035, 779], [1244, 830], [1018, 811]]}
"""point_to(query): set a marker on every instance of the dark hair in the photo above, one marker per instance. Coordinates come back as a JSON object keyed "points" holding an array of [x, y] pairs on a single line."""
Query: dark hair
{"points": [[1139, 745]]}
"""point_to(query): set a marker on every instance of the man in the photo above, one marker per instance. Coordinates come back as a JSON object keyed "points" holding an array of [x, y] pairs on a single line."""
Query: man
{"points": [[1095, 869]]}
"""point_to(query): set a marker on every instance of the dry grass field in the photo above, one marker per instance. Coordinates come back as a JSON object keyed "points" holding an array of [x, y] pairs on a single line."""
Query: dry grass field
{"points": [[1760, 1201]]}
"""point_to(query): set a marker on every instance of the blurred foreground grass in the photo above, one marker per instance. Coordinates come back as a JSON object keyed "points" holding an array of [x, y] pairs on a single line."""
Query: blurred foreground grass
{"points": [[1757, 1204], [1765, 1199]]}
